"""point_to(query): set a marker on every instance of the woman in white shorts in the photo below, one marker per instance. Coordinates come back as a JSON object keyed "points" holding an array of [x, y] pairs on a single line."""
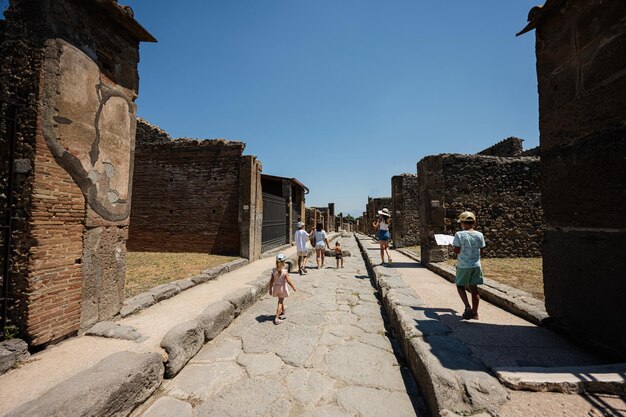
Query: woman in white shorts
{"points": [[321, 243]]}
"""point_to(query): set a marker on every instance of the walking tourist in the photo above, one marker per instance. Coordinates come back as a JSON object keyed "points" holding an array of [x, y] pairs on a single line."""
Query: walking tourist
{"points": [[301, 237], [278, 287], [321, 243], [338, 254], [468, 244], [382, 233]]}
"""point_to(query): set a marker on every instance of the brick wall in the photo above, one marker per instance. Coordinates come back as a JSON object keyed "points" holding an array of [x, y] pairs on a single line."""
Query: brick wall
{"points": [[186, 196], [581, 72], [504, 194], [71, 188], [405, 210]]}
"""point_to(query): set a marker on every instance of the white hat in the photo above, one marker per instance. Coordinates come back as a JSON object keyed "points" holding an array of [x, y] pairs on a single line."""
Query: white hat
{"points": [[300, 224], [467, 216], [384, 212], [281, 258]]}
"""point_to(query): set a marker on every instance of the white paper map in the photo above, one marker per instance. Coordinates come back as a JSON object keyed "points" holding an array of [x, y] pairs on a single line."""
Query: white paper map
{"points": [[444, 239]]}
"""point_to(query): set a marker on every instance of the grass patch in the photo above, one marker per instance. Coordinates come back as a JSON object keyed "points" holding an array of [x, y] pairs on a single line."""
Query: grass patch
{"points": [[522, 273], [145, 270]]}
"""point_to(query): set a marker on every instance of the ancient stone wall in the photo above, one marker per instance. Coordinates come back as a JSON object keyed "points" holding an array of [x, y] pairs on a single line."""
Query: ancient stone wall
{"points": [[504, 194], [374, 206], [186, 196], [511, 146], [405, 210], [72, 69], [581, 71], [250, 207]]}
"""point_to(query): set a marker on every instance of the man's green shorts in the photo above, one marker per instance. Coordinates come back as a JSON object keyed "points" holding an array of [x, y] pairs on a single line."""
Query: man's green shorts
{"points": [[469, 276]]}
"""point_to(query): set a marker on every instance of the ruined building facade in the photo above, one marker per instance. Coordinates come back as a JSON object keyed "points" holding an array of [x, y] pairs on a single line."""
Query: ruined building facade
{"points": [[69, 71], [581, 72]]}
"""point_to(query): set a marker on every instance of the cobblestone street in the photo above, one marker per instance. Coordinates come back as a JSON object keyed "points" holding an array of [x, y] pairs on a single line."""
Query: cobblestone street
{"points": [[330, 357]]}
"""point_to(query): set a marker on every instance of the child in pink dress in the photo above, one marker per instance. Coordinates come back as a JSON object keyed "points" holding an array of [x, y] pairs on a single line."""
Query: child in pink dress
{"points": [[278, 286]]}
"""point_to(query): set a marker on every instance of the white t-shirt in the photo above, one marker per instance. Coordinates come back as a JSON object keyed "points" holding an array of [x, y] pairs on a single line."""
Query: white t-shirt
{"points": [[383, 225], [320, 238], [301, 236]]}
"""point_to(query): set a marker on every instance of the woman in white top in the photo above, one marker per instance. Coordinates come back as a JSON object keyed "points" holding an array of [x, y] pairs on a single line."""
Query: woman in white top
{"points": [[382, 233], [321, 243]]}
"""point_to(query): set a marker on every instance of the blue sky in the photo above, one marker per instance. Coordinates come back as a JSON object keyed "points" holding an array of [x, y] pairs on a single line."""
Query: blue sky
{"points": [[341, 94]]}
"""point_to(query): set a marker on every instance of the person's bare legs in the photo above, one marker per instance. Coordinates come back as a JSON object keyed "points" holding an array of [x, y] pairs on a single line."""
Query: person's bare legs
{"points": [[337, 267], [323, 252], [382, 251], [300, 264], [304, 258], [318, 257], [463, 295], [475, 301], [279, 309], [386, 244]]}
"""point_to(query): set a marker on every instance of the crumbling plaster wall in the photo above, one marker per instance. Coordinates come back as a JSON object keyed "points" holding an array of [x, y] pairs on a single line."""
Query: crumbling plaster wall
{"points": [[75, 85]]}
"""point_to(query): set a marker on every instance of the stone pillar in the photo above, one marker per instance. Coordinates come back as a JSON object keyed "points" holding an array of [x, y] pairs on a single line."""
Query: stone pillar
{"points": [[288, 196], [405, 209], [331, 217], [432, 212], [251, 208], [80, 62], [582, 108]]}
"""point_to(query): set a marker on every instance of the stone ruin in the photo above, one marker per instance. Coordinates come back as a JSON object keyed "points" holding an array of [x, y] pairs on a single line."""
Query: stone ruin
{"points": [[503, 192], [405, 210], [188, 195], [69, 74], [582, 119]]}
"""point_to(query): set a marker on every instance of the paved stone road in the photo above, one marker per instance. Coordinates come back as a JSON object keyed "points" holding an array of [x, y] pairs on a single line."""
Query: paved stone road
{"points": [[329, 358]]}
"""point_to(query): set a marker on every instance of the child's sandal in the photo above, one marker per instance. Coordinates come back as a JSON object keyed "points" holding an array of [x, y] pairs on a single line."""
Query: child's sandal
{"points": [[277, 322]]}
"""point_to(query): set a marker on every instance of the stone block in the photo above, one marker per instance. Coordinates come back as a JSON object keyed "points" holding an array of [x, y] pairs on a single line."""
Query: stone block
{"points": [[215, 318], [113, 387], [184, 284], [7, 359], [164, 291], [242, 298], [114, 330], [202, 278], [181, 344], [137, 303]]}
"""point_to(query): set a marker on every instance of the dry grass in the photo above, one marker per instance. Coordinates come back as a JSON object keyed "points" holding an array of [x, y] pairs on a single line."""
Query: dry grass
{"points": [[417, 249], [145, 270], [522, 273]]}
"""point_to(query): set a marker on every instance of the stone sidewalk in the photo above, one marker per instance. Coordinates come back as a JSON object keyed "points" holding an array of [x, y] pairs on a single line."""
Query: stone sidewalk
{"points": [[501, 340], [330, 357], [60, 363]]}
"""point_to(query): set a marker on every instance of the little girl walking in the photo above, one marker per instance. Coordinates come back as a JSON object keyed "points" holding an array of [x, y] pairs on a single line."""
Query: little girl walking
{"points": [[278, 286]]}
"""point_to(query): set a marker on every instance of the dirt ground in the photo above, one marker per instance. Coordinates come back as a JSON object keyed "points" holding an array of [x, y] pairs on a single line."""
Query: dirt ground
{"points": [[145, 270], [522, 273]]}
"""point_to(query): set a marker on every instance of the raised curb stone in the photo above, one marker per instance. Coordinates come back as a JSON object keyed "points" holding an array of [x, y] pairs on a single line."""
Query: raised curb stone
{"points": [[11, 351], [242, 298], [137, 303], [113, 330], [452, 380], [181, 344], [215, 318], [164, 291], [113, 388], [605, 379]]}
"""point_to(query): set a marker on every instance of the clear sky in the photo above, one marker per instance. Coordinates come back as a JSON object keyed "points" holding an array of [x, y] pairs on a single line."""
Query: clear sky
{"points": [[340, 94]]}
